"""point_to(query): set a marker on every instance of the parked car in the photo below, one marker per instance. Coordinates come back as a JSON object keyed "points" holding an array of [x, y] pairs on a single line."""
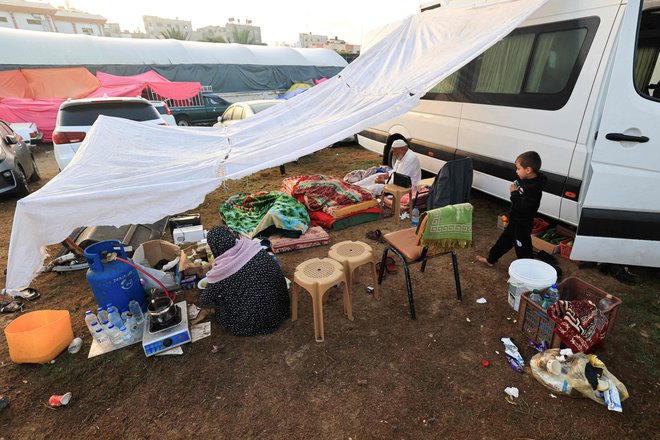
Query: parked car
{"points": [[241, 110], [28, 131], [17, 164], [76, 116], [199, 110], [164, 112]]}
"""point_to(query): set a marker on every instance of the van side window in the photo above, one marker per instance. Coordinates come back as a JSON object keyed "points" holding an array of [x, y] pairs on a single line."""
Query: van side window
{"points": [[533, 67], [647, 66]]}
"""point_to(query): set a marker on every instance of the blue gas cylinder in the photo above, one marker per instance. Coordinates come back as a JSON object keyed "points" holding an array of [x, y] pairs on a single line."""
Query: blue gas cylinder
{"points": [[113, 281]]}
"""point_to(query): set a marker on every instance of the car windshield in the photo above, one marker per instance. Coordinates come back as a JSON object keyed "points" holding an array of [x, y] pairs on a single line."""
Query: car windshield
{"points": [[88, 113], [256, 108]]}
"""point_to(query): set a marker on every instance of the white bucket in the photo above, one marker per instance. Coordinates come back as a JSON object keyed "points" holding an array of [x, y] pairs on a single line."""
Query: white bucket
{"points": [[527, 274]]}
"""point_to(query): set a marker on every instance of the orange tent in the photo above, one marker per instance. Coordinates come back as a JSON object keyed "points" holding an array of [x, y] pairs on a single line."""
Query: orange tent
{"points": [[73, 82]]}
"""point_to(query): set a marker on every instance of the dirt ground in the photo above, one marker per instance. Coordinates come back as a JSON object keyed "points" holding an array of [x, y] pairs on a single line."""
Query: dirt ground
{"points": [[381, 376]]}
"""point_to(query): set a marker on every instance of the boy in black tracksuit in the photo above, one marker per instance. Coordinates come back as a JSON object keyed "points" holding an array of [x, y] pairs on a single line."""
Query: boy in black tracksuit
{"points": [[526, 195]]}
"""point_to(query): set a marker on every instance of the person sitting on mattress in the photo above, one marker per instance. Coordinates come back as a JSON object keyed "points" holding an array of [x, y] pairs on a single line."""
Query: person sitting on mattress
{"points": [[246, 285], [406, 162]]}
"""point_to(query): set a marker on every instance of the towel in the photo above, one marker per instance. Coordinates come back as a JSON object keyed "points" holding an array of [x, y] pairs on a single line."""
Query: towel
{"points": [[448, 228]]}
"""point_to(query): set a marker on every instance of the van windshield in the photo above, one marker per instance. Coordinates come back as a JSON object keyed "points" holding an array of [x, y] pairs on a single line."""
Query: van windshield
{"points": [[87, 114]]}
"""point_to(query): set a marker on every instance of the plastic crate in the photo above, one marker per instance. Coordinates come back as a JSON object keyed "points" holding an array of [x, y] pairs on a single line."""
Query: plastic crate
{"points": [[534, 322], [565, 248], [539, 225]]}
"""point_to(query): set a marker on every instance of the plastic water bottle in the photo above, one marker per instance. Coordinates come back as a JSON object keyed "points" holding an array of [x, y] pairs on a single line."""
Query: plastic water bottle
{"points": [[101, 314], [135, 309], [93, 327], [102, 338], [114, 316], [114, 334], [536, 297], [133, 327], [551, 296], [126, 336], [125, 315], [414, 218], [89, 319], [604, 304]]}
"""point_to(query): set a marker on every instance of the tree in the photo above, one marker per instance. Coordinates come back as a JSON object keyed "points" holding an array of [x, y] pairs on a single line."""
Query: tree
{"points": [[241, 36], [174, 34], [217, 39]]}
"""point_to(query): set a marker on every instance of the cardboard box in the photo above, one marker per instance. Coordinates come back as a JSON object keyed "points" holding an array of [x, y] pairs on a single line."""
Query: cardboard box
{"points": [[151, 252], [196, 260], [550, 248]]}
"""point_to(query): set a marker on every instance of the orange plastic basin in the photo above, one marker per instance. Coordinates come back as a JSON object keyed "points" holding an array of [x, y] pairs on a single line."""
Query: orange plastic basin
{"points": [[38, 337]]}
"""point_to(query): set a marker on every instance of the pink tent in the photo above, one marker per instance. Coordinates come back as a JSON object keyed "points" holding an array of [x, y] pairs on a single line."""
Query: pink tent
{"points": [[113, 85]]}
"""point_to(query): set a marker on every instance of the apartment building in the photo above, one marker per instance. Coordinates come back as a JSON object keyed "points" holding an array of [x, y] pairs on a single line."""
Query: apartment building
{"points": [[33, 16], [154, 27], [322, 41]]}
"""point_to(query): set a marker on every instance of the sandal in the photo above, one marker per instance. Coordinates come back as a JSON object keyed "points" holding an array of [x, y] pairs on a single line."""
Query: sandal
{"points": [[390, 265], [28, 293], [376, 235], [11, 306]]}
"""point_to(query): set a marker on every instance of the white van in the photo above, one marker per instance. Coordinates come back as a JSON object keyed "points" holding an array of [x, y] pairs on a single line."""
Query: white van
{"points": [[576, 83]]}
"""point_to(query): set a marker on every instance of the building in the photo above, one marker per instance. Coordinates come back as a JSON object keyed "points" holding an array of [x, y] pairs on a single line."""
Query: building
{"points": [[312, 41], [232, 32], [154, 27], [321, 41], [33, 16]]}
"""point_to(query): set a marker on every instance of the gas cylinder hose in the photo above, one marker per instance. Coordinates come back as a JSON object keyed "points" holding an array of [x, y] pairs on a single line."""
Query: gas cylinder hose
{"points": [[170, 295]]}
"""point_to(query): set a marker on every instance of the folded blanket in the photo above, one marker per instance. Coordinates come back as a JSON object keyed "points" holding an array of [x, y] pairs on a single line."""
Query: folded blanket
{"points": [[250, 214], [318, 191], [315, 236], [448, 228], [580, 325]]}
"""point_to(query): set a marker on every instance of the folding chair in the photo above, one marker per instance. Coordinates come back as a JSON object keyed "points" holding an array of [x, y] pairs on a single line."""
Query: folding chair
{"points": [[406, 245]]}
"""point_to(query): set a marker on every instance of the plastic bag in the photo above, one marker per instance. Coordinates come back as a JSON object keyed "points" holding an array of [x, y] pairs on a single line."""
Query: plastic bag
{"points": [[577, 375]]}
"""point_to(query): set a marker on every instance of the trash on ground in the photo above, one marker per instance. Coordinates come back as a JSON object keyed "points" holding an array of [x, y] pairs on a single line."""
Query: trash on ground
{"points": [[75, 345], [468, 319], [579, 375], [4, 402], [513, 355], [485, 363], [543, 346], [193, 311], [62, 400], [362, 381], [512, 391], [200, 331], [172, 351], [481, 301]]}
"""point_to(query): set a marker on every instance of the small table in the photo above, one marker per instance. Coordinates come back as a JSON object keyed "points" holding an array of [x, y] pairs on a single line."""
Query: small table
{"points": [[398, 192]]}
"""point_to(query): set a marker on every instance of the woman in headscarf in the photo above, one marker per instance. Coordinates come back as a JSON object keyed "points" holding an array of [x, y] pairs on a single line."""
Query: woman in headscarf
{"points": [[245, 284]]}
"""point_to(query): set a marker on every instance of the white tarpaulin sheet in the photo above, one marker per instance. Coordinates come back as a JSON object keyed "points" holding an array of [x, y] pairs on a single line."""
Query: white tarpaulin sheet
{"points": [[131, 173]]}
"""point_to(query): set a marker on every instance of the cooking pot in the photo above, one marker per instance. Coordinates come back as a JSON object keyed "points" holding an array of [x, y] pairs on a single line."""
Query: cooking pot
{"points": [[161, 310]]}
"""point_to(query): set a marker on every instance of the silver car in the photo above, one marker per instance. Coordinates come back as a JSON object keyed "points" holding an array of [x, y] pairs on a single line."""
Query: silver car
{"points": [[17, 164]]}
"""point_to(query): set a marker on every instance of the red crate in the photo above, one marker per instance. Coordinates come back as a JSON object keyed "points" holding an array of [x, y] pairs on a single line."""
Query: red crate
{"points": [[565, 248], [539, 225], [535, 324]]}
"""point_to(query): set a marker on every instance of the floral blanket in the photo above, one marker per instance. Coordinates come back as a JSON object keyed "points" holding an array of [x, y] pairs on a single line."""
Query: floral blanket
{"points": [[250, 214], [318, 192]]}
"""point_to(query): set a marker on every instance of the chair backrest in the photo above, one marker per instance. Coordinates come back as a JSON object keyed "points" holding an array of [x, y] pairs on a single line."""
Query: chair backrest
{"points": [[420, 228], [452, 185]]}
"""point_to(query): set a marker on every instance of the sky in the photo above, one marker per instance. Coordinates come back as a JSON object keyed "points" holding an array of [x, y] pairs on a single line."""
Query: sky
{"points": [[280, 20]]}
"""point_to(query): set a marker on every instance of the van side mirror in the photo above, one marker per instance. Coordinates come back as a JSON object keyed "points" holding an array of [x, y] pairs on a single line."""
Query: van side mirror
{"points": [[10, 139], [219, 118]]}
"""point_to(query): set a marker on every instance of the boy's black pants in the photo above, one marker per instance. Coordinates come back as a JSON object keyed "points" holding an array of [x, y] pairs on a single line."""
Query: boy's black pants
{"points": [[515, 235]]}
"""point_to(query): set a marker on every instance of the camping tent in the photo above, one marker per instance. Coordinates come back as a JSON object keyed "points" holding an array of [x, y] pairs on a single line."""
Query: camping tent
{"points": [[226, 67], [142, 185]]}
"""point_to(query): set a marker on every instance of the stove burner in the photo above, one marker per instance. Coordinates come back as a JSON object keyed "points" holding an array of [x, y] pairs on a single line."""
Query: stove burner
{"points": [[155, 326]]}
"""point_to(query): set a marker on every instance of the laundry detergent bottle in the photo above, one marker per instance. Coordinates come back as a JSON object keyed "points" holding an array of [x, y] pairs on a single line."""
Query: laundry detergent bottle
{"points": [[111, 280]]}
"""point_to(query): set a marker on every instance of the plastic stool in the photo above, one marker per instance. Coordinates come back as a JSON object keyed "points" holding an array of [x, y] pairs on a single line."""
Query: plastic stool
{"points": [[398, 192], [353, 254], [317, 276]]}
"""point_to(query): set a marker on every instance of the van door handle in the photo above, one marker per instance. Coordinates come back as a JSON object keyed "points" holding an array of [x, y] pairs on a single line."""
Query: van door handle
{"points": [[625, 137]]}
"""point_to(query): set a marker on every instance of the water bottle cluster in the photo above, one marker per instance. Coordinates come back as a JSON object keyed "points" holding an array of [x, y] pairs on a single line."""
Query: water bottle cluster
{"points": [[111, 328], [550, 296]]}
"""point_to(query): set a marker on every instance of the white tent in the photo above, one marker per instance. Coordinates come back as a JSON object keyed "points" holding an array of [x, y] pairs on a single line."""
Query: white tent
{"points": [[127, 172]]}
